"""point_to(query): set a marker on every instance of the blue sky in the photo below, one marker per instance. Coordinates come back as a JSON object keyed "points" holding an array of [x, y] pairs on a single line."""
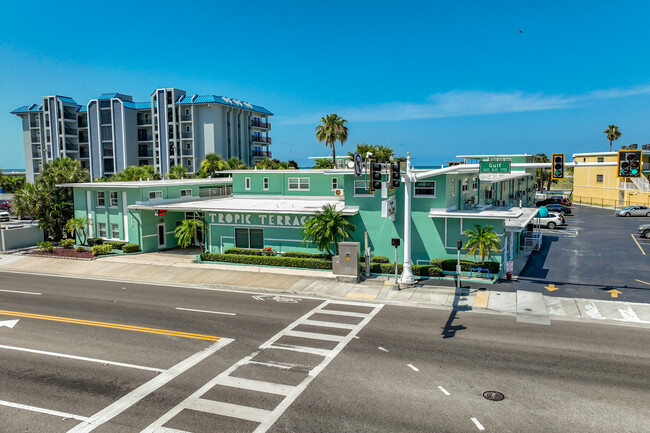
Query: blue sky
{"points": [[434, 78]]}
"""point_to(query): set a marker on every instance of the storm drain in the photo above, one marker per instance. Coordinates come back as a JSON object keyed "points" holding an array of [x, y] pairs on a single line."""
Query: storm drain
{"points": [[493, 395]]}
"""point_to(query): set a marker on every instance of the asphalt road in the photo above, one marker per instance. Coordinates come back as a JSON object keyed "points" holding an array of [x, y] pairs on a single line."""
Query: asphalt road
{"points": [[596, 252], [112, 357]]}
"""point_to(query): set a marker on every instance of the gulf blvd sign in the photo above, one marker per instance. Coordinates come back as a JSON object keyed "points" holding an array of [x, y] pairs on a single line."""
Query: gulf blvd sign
{"points": [[494, 167], [258, 219]]}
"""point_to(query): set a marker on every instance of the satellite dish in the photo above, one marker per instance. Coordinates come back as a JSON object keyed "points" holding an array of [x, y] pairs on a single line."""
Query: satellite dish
{"points": [[350, 164], [543, 211]]}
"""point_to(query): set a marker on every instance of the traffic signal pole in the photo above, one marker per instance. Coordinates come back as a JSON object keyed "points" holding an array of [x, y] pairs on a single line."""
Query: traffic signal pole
{"points": [[407, 272]]}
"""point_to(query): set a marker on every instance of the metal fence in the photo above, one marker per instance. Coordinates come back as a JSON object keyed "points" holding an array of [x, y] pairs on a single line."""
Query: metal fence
{"points": [[610, 203]]}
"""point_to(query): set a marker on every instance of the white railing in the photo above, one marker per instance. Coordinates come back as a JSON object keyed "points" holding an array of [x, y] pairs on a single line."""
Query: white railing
{"points": [[641, 183], [533, 241]]}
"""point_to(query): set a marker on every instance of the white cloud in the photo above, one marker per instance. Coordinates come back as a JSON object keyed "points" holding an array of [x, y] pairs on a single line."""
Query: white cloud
{"points": [[464, 103]]}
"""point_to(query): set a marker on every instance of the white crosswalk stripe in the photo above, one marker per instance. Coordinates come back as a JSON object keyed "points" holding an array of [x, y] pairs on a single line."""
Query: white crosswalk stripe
{"points": [[266, 418]]}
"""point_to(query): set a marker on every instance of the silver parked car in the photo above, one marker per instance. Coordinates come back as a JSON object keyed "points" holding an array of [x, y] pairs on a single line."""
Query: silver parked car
{"points": [[635, 210], [551, 221], [644, 230]]}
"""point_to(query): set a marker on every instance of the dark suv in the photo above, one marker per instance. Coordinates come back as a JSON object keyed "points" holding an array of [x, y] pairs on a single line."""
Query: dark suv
{"points": [[5, 205], [552, 200]]}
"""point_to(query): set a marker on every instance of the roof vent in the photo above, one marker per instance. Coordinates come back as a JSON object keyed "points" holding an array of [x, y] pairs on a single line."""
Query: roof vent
{"points": [[248, 105], [237, 102], [227, 99], [31, 107], [645, 147], [633, 146], [194, 97]]}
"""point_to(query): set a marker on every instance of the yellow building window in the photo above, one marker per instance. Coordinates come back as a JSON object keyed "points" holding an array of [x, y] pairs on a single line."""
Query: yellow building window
{"points": [[599, 178]]}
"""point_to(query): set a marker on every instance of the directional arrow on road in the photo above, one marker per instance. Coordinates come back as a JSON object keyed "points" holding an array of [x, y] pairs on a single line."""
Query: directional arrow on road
{"points": [[551, 287], [614, 293], [9, 323]]}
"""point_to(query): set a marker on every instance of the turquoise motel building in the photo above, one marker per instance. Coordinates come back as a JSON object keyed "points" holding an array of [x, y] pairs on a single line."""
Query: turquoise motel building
{"points": [[268, 208]]}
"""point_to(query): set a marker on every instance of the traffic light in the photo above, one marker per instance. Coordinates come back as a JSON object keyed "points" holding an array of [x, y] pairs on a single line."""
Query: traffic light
{"points": [[375, 176], [557, 170], [394, 175], [629, 163]]}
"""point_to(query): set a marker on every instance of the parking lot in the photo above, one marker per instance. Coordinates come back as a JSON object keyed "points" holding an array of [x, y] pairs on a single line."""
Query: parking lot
{"points": [[597, 255]]}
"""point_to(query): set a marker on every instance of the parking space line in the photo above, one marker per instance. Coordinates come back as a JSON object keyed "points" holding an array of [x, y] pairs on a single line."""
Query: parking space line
{"points": [[205, 311], [22, 293], [643, 282], [144, 390], [637, 244], [81, 358], [110, 325], [41, 410]]}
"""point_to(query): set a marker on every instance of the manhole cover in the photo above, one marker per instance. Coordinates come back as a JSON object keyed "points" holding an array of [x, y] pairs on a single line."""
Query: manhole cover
{"points": [[493, 395]]}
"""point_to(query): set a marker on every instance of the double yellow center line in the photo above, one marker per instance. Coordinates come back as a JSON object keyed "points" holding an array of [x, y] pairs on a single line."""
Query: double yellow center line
{"points": [[110, 325]]}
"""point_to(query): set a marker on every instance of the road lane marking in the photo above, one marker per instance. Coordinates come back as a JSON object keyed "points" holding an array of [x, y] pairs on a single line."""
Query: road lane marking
{"points": [[41, 410], [144, 390], [643, 282], [551, 287], [478, 424], [18, 291], [413, 367], [110, 325], [9, 323], [637, 244], [382, 349], [444, 391], [81, 358], [206, 311]]}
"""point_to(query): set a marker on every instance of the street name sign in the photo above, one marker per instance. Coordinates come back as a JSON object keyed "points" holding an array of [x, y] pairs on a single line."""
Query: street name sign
{"points": [[494, 167]]}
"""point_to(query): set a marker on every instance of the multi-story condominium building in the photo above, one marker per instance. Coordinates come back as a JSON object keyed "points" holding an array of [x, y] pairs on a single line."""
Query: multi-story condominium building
{"points": [[112, 132]]}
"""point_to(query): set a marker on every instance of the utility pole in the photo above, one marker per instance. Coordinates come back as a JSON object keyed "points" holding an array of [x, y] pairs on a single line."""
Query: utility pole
{"points": [[459, 245]]}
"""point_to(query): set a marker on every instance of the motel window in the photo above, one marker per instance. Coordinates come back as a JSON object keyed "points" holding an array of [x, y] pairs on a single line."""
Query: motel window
{"points": [[115, 231], [488, 194], [101, 200], [265, 184], [186, 193], [335, 183], [465, 186], [155, 195], [249, 238], [361, 187], [425, 189], [113, 197], [299, 183], [475, 183], [101, 230], [599, 178], [601, 159], [247, 183]]}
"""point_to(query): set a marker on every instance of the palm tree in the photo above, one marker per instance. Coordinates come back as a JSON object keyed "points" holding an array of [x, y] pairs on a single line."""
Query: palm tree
{"points": [[178, 172], [328, 226], [187, 232], [213, 163], [379, 152], [135, 173], [323, 164], [235, 163], [613, 134], [77, 226], [481, 242], [541, 175], [332, 129]]}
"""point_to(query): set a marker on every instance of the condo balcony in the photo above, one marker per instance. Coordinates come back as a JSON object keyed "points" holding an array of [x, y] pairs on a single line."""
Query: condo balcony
{"points": [[36, 155], [256, 139], [83, 152], [82, 122], [145, 153], [256, 123], [186, 152], [261, 154], [186, 134], [145, 136], [69, 115], [34, 122], [142, 120], [186, 117]]}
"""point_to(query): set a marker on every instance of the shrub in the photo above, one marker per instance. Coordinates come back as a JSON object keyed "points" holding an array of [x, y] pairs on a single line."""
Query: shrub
{"points": [[117, 245], [389, 268], [95, 241], [421, 270], [269, 261], [435, 272], [80, 250], [45, 246], [300, 255], [67, 243], [269, 252], [102, 250], [380, 259], [244, 251], [131, 248], [465, 265]]}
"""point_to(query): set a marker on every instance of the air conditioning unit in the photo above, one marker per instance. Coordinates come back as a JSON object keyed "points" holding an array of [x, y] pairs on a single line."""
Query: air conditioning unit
{"points": [[338, 192]]}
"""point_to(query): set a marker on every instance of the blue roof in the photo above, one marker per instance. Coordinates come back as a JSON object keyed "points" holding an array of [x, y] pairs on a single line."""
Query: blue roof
{"points": [[68, 100], [107, 95], [28, 108], [138, 105], [82, 109], [223, 100]]}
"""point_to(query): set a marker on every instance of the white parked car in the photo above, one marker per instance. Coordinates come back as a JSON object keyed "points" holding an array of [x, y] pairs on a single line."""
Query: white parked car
{"points": [[4, 215], [635, 210], [551, 221]]}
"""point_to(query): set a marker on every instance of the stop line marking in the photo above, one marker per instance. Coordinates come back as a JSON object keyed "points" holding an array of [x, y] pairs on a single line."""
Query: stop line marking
{"points": [[41, 410]]}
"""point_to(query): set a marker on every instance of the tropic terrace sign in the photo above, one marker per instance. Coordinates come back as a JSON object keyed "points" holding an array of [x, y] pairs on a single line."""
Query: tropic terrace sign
{"points": [[494, 167]]}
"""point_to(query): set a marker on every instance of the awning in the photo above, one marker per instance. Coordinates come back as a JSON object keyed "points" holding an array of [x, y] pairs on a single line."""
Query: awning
{"points": [[255, 205]]}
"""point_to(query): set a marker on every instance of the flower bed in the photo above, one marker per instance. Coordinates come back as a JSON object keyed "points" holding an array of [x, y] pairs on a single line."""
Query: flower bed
{"points": [[65, 253]]}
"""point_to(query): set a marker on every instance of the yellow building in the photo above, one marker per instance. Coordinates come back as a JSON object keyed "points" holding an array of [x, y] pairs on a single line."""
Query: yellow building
{"points": [[596, 182]]}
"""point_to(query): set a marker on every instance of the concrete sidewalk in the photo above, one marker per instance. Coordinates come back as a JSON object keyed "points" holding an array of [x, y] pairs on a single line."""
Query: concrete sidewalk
{"points": [[180, 270]]}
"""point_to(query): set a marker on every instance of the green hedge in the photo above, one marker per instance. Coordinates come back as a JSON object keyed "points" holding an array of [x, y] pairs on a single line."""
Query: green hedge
{"points": [[95, 241], [380, 259], [102, 250], [244, 251], [389, 268], [67, 243], [291, 262], [465, 265], [80, 250], [117, 245], [300, 255], [435, 272], [131, 248]]}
